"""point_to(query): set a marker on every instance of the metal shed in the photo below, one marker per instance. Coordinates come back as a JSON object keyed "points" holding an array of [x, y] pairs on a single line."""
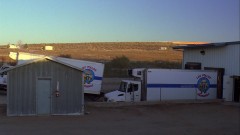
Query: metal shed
{"points": [[45, 86], [223, 57]]}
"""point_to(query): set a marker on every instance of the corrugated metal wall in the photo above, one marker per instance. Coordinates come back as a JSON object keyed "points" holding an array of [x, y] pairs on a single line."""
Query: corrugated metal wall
{"points": [[227, 57], [22, 88]]}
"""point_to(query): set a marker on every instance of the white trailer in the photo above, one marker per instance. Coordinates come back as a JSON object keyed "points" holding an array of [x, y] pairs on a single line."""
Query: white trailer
{"points": [[166, 84], [92, 79]]}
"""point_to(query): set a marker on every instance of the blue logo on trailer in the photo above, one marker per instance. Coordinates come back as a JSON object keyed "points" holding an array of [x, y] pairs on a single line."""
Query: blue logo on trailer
{"points": [[203, 86], [88, 76]]}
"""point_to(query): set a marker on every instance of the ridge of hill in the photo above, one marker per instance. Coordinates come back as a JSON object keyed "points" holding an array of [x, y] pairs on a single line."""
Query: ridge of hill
{"points": [[188, 43]]}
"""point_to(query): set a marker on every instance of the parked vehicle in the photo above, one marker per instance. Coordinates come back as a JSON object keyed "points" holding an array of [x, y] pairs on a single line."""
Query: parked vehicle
{"points": [[128, 91], [3, 77], [165, 84]]}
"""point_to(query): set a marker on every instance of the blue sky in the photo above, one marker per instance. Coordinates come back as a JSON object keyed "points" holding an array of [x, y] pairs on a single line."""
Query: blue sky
{"points": [[71, 21]]}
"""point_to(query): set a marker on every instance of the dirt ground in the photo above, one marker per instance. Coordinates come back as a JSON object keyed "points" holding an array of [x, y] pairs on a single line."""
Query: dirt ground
{"points": [[164, 119]]}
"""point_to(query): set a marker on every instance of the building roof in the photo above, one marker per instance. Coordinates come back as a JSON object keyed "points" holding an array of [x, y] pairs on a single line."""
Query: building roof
{"points": [[191, 46], [39, 59]]}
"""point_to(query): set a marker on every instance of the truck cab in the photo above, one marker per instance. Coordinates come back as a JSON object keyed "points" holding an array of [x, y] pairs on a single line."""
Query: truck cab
{"points": [[129, 91]]}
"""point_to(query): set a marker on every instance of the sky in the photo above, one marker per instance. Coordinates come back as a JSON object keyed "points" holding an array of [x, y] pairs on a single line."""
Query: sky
{"points": [[73, 21]]}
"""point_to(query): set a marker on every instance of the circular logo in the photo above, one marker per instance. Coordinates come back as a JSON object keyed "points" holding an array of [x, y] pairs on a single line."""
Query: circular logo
{"points": [[203, 84], [88, 76]]}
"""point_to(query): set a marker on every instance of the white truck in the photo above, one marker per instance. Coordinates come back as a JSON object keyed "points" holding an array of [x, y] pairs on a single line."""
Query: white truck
{"points": [[3, 77], [92, 80], [165, 84]]}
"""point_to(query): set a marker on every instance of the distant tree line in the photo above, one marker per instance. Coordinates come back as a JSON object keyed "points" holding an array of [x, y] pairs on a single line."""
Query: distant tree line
{"points": [[118, 66]]}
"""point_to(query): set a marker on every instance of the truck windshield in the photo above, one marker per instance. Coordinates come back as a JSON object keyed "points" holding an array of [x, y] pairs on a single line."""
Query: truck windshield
{"points": [[123, 87]]}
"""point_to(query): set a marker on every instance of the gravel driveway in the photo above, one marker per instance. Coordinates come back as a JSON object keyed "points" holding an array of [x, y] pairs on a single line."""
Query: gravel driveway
{"points": [[164, 119]]}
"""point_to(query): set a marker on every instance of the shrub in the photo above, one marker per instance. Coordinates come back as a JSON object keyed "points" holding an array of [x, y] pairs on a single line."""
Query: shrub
{"points": [[65, 55], [120, 62]]}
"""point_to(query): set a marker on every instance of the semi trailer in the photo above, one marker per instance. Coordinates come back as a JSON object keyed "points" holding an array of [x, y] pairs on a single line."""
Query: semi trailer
{"points": [[165, 84]]}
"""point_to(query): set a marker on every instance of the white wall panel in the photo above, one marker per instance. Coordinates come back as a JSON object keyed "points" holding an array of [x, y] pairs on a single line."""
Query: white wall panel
{"points": [[227, 57]]}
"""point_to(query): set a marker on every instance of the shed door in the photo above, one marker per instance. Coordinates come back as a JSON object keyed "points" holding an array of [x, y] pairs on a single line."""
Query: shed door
{"points": [[43, 96]]}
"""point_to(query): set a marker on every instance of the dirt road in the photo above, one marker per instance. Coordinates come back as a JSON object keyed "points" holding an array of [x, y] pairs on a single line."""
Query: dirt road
{"points": [[164, 119]]}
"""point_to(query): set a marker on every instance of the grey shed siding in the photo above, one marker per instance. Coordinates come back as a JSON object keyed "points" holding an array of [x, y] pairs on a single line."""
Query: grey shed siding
{"points": [[22, 88]]}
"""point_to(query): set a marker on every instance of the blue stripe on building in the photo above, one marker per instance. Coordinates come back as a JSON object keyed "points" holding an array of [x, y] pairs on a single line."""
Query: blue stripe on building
{"points": [[176, 85]]}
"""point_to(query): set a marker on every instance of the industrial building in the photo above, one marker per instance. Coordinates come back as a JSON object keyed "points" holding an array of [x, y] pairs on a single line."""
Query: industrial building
{"points": [[223, 57], [45, 86]]}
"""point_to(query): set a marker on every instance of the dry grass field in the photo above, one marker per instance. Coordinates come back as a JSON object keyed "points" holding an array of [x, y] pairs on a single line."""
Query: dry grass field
{"points": [[106, 51]]}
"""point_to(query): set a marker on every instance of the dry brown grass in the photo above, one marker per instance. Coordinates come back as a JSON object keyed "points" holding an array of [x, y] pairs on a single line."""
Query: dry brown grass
{"points": [[105, 51]]}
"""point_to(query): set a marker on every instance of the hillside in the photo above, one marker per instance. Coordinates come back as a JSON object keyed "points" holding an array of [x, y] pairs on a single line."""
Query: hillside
{"points": [[106, 51]]}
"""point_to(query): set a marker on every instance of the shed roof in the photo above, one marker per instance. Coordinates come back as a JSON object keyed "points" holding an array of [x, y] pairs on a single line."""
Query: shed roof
{"points": [[208, 45], [39, 59]]}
